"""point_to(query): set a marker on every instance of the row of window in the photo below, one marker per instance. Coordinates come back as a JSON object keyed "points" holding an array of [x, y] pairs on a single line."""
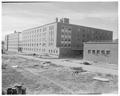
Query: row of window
{"points": [[65, 45], [40, 30], [35, 40], [66, 28], [28, 41], [92, 34], [53, 51], [65, 39], [43, 50], [34, 36], [106, 52], [43, 44], [33, 49]]}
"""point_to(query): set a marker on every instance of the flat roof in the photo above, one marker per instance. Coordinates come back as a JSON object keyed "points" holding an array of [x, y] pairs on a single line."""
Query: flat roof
{"points": [[88, 27], [101, 42], [67, 24]]}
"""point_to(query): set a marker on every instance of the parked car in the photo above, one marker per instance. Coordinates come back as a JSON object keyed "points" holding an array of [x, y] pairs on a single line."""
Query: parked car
{"points": [[86, 63], [47, 62]]}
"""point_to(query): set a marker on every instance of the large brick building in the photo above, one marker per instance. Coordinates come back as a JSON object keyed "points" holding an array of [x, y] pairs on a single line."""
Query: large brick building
{"points": [[61, 38], [13, 41], [106, 52]]}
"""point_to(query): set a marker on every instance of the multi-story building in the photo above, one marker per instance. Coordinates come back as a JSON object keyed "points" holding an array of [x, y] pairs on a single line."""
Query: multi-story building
{"points": [[3, 47], [106, 52], [6, 42], [12, 41], [60, 38]]}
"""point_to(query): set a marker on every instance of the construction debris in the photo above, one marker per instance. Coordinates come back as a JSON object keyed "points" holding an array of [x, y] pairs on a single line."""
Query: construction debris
{"points": [[77, 70], [55, 79], [17, 89], [101, 79], [15, 66]]}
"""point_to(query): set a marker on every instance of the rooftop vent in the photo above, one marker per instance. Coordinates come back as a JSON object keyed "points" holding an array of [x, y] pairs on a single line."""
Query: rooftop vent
{"points": [[64, 20]]}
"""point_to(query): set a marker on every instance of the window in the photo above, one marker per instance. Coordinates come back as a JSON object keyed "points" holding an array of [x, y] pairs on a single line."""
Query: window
{"points": [[69, 29], [69, 40], [93, 51], [65, 39], [89, 51], [62, 33], [69, 45], [62, 27], [103, 51], [56, 51], [98, 51], [107, 52], [65, 45]]}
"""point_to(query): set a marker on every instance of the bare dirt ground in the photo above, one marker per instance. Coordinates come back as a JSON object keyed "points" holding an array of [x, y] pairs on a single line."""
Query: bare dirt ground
{"points": [[42, 77]]}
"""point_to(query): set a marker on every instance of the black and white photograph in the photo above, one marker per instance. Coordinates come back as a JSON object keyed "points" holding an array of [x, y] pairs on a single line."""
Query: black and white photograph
{"points": [[67, 48]]}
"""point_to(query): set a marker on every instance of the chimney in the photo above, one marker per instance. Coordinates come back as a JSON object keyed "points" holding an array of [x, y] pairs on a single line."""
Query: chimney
{"points": [[56, 19]]}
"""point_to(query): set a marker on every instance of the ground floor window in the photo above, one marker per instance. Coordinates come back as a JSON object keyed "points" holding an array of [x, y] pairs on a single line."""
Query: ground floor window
{"points": [[104, 52], [89, 51]]}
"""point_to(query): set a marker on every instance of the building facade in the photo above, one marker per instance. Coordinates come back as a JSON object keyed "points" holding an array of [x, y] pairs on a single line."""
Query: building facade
{"points": [[3, 47], [106, 52], [12, 41], [60, 38], [6, 42]]}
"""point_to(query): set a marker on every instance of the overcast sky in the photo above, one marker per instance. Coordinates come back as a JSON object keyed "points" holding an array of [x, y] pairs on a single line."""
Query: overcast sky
{"points": [[20, 16]]}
